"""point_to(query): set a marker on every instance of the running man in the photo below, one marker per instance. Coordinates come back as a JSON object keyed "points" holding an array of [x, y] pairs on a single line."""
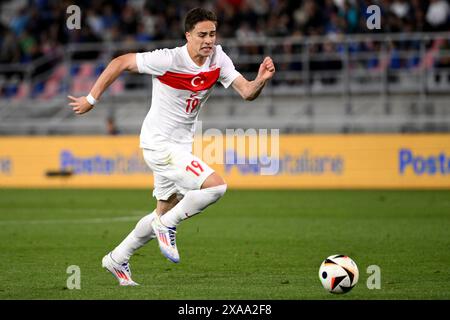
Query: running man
{"points": [[183, 79]]}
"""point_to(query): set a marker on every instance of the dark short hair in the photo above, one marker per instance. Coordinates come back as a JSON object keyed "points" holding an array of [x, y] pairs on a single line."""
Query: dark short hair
{"points": [[197, 15]]}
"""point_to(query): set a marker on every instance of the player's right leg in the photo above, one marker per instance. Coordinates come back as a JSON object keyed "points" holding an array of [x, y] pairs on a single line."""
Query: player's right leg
{"points": [[117, 261], [122, 272]]}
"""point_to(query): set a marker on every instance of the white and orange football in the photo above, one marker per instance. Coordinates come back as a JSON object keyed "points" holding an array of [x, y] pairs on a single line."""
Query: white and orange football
{"points": [[338, 274]]}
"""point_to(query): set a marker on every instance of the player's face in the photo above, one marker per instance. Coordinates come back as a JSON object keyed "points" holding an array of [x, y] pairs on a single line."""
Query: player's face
{"points": [[202, 38]]}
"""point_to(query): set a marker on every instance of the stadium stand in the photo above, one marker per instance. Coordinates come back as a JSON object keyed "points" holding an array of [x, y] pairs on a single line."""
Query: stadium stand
{"points": [[333, 73]]}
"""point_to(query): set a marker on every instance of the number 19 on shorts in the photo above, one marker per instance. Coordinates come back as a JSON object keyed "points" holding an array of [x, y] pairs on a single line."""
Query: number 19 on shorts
{"points": [[195, 168]]}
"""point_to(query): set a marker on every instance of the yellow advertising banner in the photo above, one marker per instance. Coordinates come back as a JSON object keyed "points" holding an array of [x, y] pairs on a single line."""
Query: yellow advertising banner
{"points": [[285, 161]]}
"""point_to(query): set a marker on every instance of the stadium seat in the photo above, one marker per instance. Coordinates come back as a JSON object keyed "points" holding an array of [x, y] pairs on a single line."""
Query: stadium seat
{"points": [[84, 79], [86, 70], [51, 89], [59, 73], [117, 87], [99, 69], [37, 89], [74, 69], [81, 85], [428, 60], [22, 92], [382, 63]]}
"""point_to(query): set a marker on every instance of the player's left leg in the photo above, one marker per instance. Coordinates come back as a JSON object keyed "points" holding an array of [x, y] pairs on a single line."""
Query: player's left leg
{"points": [[195, 201], [204, 186]]}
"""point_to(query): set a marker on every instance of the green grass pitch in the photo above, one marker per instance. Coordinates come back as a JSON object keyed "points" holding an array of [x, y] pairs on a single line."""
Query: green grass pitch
{"points": [[249, 245]]}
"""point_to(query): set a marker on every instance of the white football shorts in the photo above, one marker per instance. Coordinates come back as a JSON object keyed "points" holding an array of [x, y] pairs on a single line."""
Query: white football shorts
{"points": [[175, 170]]}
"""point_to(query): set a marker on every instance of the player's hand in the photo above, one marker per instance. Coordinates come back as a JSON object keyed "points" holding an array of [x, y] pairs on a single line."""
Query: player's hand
{"points": [[266, 69], [80, 105]]}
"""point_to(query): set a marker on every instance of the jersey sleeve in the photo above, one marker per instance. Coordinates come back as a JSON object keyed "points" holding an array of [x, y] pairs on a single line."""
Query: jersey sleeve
{"points": [[228, 72], [155, 62]]}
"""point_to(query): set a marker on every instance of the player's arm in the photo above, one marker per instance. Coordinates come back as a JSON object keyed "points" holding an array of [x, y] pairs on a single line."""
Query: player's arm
{"points": [[126, 62], [250, 90]]}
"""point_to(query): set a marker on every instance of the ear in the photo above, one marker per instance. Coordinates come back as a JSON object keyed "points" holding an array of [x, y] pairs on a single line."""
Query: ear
{"points": [[187, 35]]}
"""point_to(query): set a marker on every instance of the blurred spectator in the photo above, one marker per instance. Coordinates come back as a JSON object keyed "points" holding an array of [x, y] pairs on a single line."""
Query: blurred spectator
{"points": [[417, 17], [147, 26], [443, 61], [129, 20], [151, 20], [19, 22], [43, 22], [109, 17], [111, 127], [351, 16], [39, 29], [9, 48], [437, 15], [332, 63], [309, 18], [95, 22], [401, 8]]}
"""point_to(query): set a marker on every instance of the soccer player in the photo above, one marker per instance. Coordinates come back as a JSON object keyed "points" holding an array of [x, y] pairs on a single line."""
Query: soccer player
{"points": [[183, 79]]}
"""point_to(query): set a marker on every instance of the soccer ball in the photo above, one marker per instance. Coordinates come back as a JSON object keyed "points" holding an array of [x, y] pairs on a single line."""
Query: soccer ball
{"points": [[338, 274]]}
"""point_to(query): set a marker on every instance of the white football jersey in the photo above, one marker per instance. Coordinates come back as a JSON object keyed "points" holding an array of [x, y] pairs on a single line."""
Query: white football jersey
{"points": [[180, 90]]}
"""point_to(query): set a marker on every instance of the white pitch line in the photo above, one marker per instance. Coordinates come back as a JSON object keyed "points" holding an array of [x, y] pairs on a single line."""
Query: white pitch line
{"points": [[71, 221], [73, 210]]}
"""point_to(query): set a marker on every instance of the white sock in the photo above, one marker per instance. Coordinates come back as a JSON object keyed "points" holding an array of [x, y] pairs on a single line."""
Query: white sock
{"points": [[193, 202], [141, 234]]}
